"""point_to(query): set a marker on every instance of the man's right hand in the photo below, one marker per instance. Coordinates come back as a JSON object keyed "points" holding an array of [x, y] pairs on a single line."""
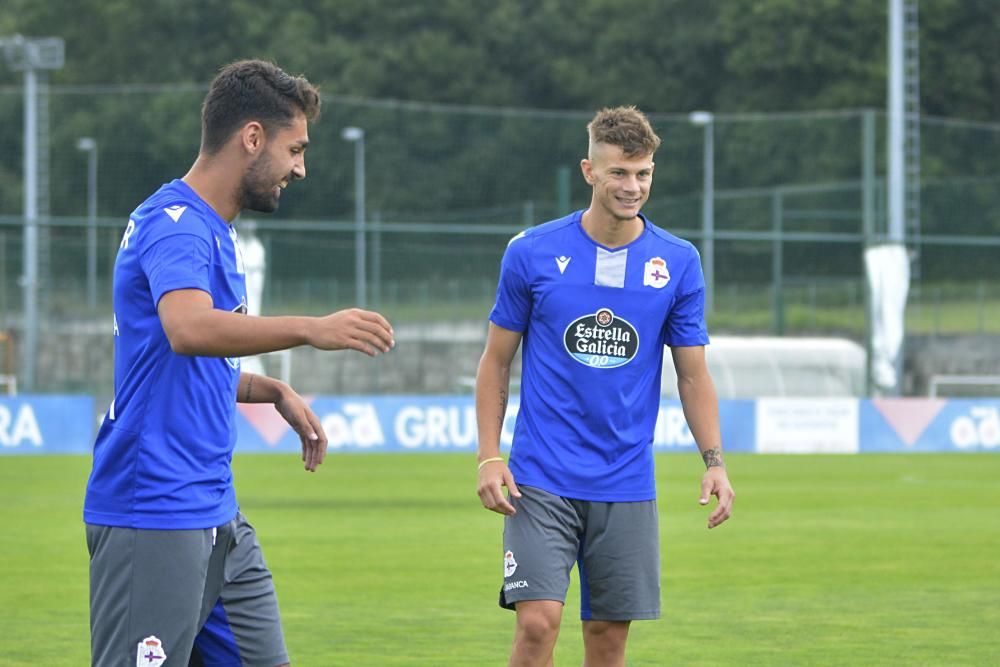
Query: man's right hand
{"points": [[352, 329], [493, 476]]}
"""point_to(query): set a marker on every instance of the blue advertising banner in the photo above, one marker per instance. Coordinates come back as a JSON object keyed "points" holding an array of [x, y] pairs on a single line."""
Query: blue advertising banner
{"points": [[930, 425], [448, 423], [67, 424], [46, 424]]}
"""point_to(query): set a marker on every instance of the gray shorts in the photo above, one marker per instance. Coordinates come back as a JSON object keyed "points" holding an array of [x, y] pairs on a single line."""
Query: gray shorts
{"points": [[616, 547], [179, 597]]}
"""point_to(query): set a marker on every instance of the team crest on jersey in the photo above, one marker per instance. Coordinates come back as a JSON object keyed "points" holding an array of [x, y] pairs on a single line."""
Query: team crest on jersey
{"points": [[150, 653], [601, 340], [655, 274], [234, 362], [509, 564]]}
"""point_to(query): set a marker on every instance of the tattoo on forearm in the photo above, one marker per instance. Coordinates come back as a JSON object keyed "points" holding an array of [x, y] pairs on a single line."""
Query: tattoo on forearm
{"points": [[503, 407], [246, 394], [713, 457]]}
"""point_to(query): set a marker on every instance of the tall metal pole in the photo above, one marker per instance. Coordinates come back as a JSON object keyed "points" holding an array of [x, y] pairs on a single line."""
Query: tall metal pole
{"points": [[89, 146], [778, 262], [707, 121], [29, 55], [30, 245], [357, 136], [868, 227], [897, 119]]}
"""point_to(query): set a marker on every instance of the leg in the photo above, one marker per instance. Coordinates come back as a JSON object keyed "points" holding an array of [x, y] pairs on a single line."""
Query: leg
{"points": [[619, 577], [146, 588], [604, 643], [242, 625], [541, 543], [536, 633]]}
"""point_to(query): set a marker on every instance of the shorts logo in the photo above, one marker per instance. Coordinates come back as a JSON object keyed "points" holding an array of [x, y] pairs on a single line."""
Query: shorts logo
{"points": [[601, 340], [150, 653], [511, 585], [509, 564]]}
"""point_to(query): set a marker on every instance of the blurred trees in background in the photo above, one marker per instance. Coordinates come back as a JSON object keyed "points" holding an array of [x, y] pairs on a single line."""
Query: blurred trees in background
{"points": [[668, 55]]}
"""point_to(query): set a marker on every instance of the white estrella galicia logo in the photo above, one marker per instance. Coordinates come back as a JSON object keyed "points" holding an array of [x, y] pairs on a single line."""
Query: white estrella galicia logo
{"points": [[175, 212], [655, 273], [562, 263], [509, 564], [150, 653]]}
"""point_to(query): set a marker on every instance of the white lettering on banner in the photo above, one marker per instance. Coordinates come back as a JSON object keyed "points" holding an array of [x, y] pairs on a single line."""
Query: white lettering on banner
{"points": [[436, 426], [507, 430], [979, 429], [807, 426], [16, 430], [672, 429], [358, 426]]}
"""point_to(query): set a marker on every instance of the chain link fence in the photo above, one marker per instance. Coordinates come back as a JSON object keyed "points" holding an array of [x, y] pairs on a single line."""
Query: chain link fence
{"points": [[447, 186]]}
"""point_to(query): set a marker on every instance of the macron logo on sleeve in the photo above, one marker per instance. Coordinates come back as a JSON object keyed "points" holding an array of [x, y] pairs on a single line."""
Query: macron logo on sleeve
{"points": [[175, 212]]}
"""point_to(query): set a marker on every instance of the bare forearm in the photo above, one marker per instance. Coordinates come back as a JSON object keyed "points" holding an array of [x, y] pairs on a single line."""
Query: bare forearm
{"points": [[701, 410], [492, 387], [218, 333], [259, 389]]}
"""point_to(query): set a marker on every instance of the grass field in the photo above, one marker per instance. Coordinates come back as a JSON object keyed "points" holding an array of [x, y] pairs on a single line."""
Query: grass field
{"points": [[385, 560]]}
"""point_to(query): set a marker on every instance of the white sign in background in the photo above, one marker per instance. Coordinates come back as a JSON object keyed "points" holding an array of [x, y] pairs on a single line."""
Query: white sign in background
{"points": [[807, 426]]}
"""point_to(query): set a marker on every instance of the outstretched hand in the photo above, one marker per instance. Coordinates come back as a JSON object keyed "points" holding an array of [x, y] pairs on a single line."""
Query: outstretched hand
{"points": [[715, 482], [304, 421], [492, 478], [353, 329]]}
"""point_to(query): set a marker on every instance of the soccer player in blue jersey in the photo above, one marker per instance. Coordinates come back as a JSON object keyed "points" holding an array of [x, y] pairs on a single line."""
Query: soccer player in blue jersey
{"points": [[172, 557], [593, 298]]}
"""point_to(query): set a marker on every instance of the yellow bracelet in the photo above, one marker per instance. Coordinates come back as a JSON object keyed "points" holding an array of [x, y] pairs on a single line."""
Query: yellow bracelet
{"points": [[490, 460]]}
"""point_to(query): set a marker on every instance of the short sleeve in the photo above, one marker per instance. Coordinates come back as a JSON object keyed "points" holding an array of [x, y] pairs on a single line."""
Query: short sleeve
{"points": [[512, 309], [177, 261], [685, 325]]}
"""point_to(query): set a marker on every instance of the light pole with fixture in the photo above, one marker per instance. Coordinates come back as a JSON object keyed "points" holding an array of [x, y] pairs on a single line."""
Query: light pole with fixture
{"points": [[706, 120], [356, 136], [28, 55], [88, 145]]}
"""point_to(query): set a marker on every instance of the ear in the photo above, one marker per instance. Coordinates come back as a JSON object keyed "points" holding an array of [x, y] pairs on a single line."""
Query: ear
{"points": [[587, 167], [252, 137]]}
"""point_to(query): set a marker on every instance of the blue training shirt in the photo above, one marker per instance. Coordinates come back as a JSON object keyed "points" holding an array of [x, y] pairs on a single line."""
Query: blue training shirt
{"points": [[594, 323], [163, 452]]}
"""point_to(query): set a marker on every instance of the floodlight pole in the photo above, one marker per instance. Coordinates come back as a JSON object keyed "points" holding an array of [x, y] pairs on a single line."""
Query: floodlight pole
{"points": [[29, 55], [356, 136], [88, 145], [706, 119]]}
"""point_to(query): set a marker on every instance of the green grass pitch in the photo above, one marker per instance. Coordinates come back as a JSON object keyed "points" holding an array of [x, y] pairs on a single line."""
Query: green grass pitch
{"points": [[388, 559]]}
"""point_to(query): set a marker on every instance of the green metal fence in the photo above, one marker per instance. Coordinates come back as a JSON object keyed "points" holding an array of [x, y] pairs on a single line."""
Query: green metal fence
{"points": [[795, 198]]}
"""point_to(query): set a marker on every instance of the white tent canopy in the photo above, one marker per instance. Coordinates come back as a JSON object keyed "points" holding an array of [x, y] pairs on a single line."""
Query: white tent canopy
{"points": [[752, 367]]}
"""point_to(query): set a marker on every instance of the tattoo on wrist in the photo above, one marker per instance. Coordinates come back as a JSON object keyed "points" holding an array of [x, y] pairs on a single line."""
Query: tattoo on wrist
{"points": [[713, 457], [246, 394], [503, 406]]}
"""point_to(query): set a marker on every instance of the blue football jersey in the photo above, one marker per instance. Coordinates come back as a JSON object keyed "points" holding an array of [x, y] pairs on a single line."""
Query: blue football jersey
{"points": [[163, 452], [594, 322]]}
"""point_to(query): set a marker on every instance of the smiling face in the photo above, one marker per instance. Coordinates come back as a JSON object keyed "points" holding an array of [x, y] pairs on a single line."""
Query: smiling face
{"points": [[281, 160], [621, 183]]}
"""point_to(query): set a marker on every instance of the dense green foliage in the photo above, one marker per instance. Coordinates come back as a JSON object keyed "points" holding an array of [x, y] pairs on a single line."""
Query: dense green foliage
{"points": [[671, 55], [389, 561]]}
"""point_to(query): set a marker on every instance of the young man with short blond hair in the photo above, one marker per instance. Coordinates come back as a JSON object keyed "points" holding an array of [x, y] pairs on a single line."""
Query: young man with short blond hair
{"points": [[593, 298]]}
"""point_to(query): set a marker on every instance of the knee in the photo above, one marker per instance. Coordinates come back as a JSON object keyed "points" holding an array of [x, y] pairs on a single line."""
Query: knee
{"points": [[605, 637], [538, 626]]}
